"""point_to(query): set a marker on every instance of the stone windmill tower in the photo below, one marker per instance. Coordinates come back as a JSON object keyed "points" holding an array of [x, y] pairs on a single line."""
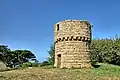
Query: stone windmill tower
{"points": [[72, 39]]}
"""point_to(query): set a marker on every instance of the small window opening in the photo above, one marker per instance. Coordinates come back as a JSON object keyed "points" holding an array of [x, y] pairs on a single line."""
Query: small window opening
{"points": [[59, 55], [57, 27]]}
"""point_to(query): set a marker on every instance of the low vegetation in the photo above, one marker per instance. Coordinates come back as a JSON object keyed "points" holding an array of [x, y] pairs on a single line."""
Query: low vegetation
{"points": [[104, 72]]}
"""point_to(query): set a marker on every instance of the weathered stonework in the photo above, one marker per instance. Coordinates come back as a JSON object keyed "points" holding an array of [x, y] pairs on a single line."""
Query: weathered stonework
{"points": [[72, 39]]}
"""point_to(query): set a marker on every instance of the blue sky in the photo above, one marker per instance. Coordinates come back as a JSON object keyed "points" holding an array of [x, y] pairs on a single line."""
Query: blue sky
{"points": [[28, 24]]}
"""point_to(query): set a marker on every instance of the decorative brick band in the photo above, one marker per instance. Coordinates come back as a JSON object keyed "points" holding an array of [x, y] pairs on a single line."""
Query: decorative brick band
{"points": [[73, 38]]}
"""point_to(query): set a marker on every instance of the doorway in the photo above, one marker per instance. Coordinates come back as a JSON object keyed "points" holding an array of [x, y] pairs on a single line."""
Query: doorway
{"points": [[59, 61]]}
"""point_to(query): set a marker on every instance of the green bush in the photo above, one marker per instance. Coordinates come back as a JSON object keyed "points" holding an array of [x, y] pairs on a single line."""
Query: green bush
{"points": [[105, 51], [27, 64], [48, 67], [34, 65], [44, 63]]}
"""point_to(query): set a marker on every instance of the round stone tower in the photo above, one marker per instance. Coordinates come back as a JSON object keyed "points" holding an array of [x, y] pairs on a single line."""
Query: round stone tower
{"points": [[72, 39]]}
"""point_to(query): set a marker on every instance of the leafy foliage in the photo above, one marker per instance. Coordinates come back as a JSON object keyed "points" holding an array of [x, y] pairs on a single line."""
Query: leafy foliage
{"points": [[51, 57], [3, 51], [13, 58], [44, 63], [27, 64], [106, 50]]}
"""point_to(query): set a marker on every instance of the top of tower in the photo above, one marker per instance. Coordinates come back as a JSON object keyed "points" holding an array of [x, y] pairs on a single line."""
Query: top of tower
{"points": [[71, 20]]}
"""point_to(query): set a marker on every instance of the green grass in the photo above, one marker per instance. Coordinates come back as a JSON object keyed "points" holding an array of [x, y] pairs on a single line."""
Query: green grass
{"points": [[105, 72]]}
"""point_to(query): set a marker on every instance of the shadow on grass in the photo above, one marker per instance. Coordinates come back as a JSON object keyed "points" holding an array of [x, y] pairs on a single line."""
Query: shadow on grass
{"points": [[96, 65]]}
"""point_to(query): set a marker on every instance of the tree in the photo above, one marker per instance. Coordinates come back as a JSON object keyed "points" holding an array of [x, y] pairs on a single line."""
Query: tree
{"points": [[4, 50], [51, 52], [106, 50], [17, 57], [1, 56], [21, 56]]}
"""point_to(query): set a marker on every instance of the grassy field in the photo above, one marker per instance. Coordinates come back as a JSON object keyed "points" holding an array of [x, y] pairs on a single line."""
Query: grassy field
{"points": [[105, 72]]}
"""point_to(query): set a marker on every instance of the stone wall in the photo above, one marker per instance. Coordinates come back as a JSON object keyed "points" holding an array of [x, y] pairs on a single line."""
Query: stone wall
{"points": [[72, 39]]}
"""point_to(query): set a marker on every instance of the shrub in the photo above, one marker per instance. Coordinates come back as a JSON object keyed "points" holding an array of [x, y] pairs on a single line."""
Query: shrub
{"points": [[34, 64], [106, 51], [44, 63], [27, 64]]}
